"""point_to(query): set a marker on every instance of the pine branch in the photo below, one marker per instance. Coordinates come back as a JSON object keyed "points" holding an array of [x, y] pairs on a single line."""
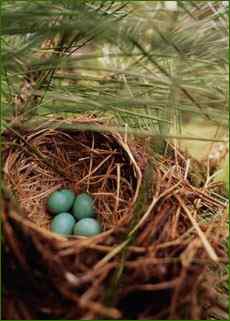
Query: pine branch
{"points": [[35, 80], [130, 80]]}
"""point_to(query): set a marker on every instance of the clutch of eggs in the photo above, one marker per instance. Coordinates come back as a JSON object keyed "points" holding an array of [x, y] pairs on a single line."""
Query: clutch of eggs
{"points": [[68, 208]]}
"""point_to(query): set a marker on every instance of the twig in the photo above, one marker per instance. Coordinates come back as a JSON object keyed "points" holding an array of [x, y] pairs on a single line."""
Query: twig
{"points": [[207, 245], [151, 287], [120, 247], [187, 169], [95, 169], [152, 205], [90, 164], [118, 187]]}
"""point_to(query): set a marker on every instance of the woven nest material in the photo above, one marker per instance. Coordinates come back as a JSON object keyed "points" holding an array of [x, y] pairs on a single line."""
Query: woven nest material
{"points": [[158, 250], [100, 164]]}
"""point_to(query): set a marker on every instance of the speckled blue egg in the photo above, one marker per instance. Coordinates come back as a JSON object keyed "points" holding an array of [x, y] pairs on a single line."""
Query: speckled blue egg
{"points": [[61, 201], [87, 227], [63, 224], [83, 206]]}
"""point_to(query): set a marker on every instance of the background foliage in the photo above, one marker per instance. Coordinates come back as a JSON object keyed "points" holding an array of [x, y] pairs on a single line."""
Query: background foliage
{"points": [[152, 67]]}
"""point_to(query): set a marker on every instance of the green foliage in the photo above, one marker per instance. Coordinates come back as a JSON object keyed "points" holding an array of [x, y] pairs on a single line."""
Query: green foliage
{"points": [[137, 62]]}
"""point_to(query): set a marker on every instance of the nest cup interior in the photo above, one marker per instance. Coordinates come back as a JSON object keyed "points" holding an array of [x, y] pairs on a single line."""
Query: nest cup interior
{"points": [[82, 161]]}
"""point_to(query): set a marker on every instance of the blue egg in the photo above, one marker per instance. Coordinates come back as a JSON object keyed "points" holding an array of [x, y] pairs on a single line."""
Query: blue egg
{"points": [[63, 224], [87, 227], [83, 206], [61, 201]]}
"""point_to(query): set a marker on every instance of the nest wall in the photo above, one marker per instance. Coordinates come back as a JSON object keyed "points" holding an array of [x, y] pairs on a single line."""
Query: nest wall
{"points": [[153, 258]]}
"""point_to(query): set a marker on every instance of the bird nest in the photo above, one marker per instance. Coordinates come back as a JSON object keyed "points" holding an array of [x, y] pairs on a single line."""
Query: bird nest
{"points": [[50, 159], [163, 236]]}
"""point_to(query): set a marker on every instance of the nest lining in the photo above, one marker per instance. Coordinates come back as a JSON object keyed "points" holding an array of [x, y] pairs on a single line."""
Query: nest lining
{"points": [[165, 270], [82, 161]]}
